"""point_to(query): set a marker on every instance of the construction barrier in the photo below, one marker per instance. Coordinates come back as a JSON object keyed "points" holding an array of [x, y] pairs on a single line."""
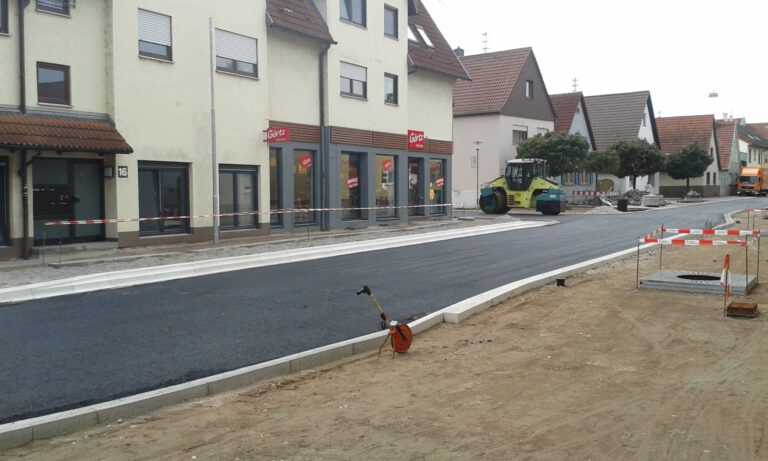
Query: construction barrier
{"points": [[711, 231], [693, 242], [63, 222], [583, 196]]}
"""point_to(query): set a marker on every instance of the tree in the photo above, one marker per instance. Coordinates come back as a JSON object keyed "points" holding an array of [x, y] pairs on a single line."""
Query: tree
{"points": [[602, 161], [691, 162], [637, 158], [563, 152]]}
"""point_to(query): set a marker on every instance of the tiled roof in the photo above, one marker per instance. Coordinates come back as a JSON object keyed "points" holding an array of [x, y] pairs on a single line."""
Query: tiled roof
{"points": [[300, 16], [493, 77], [677, 133], [752, 137], [760, 128], [60, 134], [618, 117], [440, 58], [725, 132], [565, 106]]}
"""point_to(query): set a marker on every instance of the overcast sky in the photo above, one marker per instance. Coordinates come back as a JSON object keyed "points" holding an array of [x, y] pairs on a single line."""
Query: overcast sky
{"points": [[680, 50]]}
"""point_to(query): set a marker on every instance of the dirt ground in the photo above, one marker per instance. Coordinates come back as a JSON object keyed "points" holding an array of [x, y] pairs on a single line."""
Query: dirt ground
{"points": [[596, 370]]}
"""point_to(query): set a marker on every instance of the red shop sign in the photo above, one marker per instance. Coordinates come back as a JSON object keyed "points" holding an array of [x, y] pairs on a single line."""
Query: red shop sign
{"points": [[353, 182], [440, 182], [305, 161], [278, 134], [387, 165], [415, 140]]}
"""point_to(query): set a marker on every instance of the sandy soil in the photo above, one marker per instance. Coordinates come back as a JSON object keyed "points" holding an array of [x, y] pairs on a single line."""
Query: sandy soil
{"points": [[595, 370]]}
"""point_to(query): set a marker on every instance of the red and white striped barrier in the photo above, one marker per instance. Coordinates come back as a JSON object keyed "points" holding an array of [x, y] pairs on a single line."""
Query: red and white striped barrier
{"points": [[712, 231], [62, 222], [585, 195], [693, 242], [653, 234]]}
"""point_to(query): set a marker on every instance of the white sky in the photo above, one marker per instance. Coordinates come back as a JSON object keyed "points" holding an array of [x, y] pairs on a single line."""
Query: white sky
{"points": [[680, 50]]}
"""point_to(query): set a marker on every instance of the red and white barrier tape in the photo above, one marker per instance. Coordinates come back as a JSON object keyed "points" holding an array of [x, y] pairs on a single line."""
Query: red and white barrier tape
{"points": [[692, 242], [653, 234], [712, 231], [63, 222], [594, 193]]}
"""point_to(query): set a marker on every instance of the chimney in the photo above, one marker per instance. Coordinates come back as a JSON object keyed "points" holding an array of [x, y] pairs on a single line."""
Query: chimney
{"points": [[459, 52]]}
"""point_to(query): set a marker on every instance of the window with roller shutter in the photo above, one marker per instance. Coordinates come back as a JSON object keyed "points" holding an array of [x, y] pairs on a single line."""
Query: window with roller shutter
{"points": [[236, 54], [155, 35]]}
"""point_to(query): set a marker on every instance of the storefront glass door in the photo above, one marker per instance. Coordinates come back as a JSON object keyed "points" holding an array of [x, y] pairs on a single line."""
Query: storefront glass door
{"points": [[415, 181]]}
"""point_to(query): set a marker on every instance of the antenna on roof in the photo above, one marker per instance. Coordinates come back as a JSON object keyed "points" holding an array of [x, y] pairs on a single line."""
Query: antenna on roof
{"points": [[575, 85], [485, 42]]}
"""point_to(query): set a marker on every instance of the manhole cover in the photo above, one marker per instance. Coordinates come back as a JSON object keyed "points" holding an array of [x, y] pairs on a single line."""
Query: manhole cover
{"points": [[698, 277]]}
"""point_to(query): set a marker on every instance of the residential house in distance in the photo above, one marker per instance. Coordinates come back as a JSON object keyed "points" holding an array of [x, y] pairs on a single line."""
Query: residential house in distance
{"points": [[760, 128], [571, 117], [623, 117], [678, 133], [505, 103], [728, 153], [752, 145], [314, 104]]}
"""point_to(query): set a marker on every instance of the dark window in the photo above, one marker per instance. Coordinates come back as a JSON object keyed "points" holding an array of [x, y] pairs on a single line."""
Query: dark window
{"points": [[303, 186], [3, 203], [237, 194], [519, 136], [275, 173], [353, 11], [236, 53], [53, 83], [529, 89], [3, 16], [390, 88], [437, 186], [351, 186], [155, 35], [390, 21], [415, 180], [163, 193], [54, 6], [386, 186], [354, 80]]}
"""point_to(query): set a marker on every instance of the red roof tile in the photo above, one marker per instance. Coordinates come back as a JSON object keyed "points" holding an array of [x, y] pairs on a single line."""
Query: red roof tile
{"points": [[760, 128], [60, 134], [677, 133], [725, 133], [440, 58], [300, 16], [493, 77]]}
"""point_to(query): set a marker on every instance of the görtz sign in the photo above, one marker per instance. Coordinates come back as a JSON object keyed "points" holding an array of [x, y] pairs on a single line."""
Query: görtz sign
{"points": [[415, 140], [278, 134]]}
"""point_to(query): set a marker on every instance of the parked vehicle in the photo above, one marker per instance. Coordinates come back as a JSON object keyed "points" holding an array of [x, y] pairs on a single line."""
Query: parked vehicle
{"points": [[524, 185], [752, 181]]}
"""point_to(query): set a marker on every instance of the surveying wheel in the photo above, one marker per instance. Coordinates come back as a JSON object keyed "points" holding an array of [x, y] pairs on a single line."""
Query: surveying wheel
{"points": [[402, 337]]}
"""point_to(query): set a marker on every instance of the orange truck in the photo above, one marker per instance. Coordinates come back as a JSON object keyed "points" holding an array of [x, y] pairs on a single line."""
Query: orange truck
{"points": [[752, 181]]}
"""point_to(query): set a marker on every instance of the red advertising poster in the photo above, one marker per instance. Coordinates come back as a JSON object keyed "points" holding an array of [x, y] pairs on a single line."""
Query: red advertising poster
{"points": [[415, 140], [387, 165], [277, 134], [305, 161], [352, 183], [440, 182]]}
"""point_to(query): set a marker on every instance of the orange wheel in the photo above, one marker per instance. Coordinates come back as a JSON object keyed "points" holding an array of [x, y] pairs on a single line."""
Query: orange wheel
{"points": [[402, 337]]}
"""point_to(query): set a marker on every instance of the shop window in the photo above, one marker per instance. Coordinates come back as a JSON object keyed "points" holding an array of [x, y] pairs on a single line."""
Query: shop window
{"points": [[390, 21], [236, 54], [238, 194], [53, 84], [3, 16], [351, 186], [415, 180], [353, 11], [163, 193], [275, 198], [390, 89], [303, 186], [4, 234], [155, 35], [386, 187], [354, 80], [437, 186], [54, 6]]}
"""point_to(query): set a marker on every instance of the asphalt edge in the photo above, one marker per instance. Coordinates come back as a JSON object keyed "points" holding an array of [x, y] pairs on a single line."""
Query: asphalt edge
{"points": [[16, 434]]}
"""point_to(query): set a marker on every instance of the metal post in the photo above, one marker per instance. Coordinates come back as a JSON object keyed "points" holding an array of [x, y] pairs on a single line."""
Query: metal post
{"points": [[637, 270], [214, 160], [661, 246], [757, 270], [746, 263], [477, 171]]}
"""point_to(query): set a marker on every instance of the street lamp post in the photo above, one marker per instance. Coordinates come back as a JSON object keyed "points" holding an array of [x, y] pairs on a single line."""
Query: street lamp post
{"points": [[477, 171]]}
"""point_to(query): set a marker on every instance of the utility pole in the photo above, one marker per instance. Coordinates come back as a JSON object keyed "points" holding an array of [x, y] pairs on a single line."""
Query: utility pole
{"points": [[477, 170]]}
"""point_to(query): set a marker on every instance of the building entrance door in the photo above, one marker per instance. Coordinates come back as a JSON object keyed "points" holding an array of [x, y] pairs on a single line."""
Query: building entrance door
{"points": [[415, 182], [67, 189]]}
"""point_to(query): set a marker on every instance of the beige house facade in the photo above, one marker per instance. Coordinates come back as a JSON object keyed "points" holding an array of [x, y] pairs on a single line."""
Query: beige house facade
{"points": [[177, 121]]}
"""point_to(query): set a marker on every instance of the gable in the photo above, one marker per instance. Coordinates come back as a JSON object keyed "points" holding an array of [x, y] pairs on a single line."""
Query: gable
{"points": [[619, 117], [518, 104], [493, 77]]}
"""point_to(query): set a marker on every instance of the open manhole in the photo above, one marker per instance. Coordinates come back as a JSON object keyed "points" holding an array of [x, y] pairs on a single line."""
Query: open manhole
{"points": [[698, 277]]}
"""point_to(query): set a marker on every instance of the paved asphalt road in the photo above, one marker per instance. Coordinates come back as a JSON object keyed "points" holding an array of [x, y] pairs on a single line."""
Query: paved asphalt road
{"points": [[68, 352]]}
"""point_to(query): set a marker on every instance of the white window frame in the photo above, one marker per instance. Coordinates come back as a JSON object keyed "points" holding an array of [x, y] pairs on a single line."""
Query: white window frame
{"points": [[155, 29], [529, 89], [235, 53], [353, 74]]}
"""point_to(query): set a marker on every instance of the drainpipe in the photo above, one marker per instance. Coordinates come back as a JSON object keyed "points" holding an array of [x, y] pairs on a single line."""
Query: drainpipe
{"points": [[22, 64], [324, 150]]}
